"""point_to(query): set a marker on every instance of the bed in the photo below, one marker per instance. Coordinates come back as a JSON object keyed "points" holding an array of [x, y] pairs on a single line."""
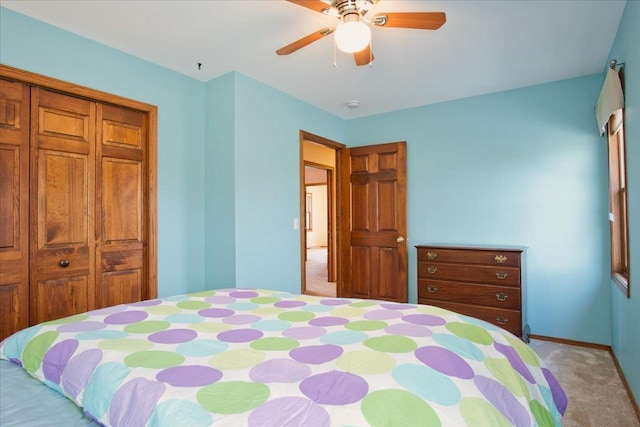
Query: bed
{"points": [[259, 357]]}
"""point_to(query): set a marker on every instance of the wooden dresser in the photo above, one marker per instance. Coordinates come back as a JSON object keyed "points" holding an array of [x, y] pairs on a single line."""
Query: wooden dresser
{"points": [[482, 282]]}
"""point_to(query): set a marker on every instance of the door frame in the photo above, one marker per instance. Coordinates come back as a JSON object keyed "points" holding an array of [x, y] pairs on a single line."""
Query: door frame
{"points": [[150, 173], [333, 240]]}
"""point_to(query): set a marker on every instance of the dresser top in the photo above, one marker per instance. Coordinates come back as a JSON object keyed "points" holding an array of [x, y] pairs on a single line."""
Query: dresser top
{"points": [[504, 248]]}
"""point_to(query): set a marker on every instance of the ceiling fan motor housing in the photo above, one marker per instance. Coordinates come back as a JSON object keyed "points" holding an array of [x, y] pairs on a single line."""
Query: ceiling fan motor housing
{"points": [[351, 7]]}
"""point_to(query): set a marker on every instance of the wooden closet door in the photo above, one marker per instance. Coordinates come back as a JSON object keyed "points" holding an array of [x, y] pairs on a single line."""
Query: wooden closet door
{"points": [[62, 197], [14, 207], [120, 206]]}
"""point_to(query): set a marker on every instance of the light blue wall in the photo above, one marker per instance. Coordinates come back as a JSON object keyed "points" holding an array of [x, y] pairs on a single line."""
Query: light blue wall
{"points": [[38, 47], [626, 312], [220, 240], [267, 178], [523, 167]]}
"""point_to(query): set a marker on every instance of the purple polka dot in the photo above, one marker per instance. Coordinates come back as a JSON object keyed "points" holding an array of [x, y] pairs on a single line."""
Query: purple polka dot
{"points": [[279, 371], [334, 302], [445, 361], [56, 359], [216, 312], [79, 370], [85, 326], [289, 411], [240, 335], [395, 306], [173, 336], [304, 332], [424, 319], [147, 303], [244, 294], [383, 314], [220, 299], [109, 310], [289, 304], [126, 317], [408, 330], [145, 393], [316, 354], [515, 360], [503, 400], [189, 376], [328, 321], [334, 388], [241, 319]]}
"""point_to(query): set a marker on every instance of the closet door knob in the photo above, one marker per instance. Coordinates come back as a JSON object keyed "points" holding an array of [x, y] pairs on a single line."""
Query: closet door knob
{"points": [[64, 263]]}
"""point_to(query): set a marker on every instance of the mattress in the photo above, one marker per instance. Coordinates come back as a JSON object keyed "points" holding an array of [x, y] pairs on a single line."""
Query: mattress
{"points": [[260, 357]]}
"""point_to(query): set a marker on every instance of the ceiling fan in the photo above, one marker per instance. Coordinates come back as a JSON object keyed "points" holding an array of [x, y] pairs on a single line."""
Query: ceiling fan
{"points": [[353, 32]]}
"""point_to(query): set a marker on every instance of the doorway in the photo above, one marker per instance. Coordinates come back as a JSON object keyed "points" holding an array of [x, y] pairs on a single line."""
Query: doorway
{"points": [[318, 232]]}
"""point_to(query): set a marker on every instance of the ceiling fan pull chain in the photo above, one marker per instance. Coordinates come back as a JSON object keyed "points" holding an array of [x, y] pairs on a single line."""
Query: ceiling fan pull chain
{"points": [[335, 60]]}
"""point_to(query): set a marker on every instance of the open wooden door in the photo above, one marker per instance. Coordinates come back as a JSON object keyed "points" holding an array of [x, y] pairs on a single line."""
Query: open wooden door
{"points": [[373, 222]]}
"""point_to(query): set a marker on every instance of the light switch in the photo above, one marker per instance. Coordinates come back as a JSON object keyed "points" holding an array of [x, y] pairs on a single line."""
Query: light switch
{"points": [[296, 223]]}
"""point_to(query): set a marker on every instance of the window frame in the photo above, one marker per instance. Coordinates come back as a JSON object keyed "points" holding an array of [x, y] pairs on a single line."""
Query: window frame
{"points": [[618, 191]]}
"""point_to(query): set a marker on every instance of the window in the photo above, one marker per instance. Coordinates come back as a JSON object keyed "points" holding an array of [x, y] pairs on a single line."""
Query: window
{"points": [[618, 201]]}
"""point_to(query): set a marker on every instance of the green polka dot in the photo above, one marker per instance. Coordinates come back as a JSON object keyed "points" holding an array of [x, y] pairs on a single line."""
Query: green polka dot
{"points": [[398, 408], [162, 310], [471, 332], [431, 309], [479, 412], [391, 344], [541, 414], [193, 305], [507, 376], [147, 327], [362, 304], [366, 325], [274, 344], [125, 345], [154, 359], [267, 311], [233, 397], [349, 312], [296, 316], [526, 354], [236, 359], [70, 319], [264, 300], [35, 350], [366, 362], [210, 326]]}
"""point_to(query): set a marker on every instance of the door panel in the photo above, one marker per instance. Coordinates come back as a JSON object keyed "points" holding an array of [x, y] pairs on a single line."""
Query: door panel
{"points": [[120, 208], [63, 185], [14, 207], [374, 222]]}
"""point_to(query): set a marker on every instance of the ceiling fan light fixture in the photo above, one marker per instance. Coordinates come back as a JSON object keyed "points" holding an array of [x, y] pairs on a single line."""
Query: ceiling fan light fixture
{"points": [[352, 35]]}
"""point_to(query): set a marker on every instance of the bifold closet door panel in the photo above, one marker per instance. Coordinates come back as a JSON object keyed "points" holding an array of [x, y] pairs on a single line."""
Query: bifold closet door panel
{"points": [[14, 207], [120, 206], [62, 205]]}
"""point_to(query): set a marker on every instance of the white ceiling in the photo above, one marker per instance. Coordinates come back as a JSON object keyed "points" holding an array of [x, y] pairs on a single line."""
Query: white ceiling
{"points": [[484, 47]]}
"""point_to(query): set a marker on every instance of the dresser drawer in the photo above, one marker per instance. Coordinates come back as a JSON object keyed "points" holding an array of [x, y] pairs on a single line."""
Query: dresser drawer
{"points": [[469, 256], [506, 319], [506, 297], [504, 276]]}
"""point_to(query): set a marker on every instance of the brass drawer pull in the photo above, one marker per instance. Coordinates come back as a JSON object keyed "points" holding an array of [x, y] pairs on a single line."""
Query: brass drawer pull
{"points": [[500, 259], [431, 255], [432, 270], [432, 289], [501, 275], [502, 320], [502, 296]]}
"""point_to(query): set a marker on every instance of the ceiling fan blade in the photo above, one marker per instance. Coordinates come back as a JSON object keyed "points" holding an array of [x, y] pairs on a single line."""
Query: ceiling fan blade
{"points": [[299, 44], [317, 5], [417, 20], [363, 57]]}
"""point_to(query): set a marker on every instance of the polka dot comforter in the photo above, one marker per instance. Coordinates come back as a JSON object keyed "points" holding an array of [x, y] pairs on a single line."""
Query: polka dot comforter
{"points": [[240, 357]]}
